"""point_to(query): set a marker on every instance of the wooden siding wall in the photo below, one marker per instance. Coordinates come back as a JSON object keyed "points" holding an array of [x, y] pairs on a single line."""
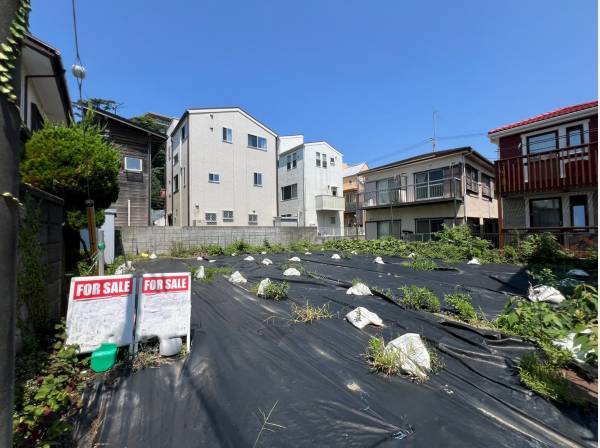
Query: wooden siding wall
{"points": [[134, 187]]}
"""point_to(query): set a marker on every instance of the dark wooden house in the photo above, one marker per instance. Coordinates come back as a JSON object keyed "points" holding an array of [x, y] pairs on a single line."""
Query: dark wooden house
{"points": [[138, 147]]}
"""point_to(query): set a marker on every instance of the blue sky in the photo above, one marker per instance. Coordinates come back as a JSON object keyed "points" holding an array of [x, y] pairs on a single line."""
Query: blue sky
{"points": [[365, 76]]}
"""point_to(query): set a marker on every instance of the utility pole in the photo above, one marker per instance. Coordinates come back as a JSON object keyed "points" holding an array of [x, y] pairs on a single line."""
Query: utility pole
{"points": [[10, 150]]}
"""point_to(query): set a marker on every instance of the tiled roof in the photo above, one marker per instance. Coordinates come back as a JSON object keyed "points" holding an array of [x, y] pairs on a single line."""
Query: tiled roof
{"points": [[547, 115]]}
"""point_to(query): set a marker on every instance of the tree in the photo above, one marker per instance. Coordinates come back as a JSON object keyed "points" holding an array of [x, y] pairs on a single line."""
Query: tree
{"points": [[98, 103], [75, 163], [150, 122]]}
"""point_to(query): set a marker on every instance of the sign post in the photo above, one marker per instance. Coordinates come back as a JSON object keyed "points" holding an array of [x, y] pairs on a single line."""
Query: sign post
{"points": [[101, 310], [164, 306]]}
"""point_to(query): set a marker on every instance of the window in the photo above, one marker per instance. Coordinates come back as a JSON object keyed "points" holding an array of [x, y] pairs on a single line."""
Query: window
{"points": [[472, 179], [252, 219], [227, 135], [133, 164], [289, 162], [214, 178], [425, 227], [257, 142], [332, 220], [474, 225], [183, 177], [175, 183], [175, 159], [210, 218], [324, 160], [184, 132], [228, 215], [334, 191], [258, 179], [294, 160], [318, 159], [332, 161], [486, 185], [289, 192], [429, 184], [37, 119], [389, 228], [545, 212], [575, 135], [542, 142], [579, 215]]}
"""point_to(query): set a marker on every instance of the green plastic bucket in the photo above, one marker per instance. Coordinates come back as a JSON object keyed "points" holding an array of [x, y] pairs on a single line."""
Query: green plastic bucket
{"points": [[104, 357]]}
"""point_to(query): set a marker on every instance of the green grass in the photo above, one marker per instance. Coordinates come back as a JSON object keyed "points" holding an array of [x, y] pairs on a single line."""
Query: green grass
{"points": [[293, 264], [276, 290], [382, 360], [546, 380], [210, 273], [460, 304], [421, 264], [417, 298]]}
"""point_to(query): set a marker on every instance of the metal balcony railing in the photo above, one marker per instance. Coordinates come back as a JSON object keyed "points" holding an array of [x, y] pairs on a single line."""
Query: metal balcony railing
{"points": [[449, 188], [571, 167]]}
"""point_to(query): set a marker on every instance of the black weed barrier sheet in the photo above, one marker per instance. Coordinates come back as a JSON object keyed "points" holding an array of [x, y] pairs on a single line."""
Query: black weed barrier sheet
{"points": [[250, 361]]}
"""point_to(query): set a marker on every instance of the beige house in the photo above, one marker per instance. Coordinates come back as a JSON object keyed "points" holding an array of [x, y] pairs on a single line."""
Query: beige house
{"points": [[414, 197], [221, 169], [353, 217]]}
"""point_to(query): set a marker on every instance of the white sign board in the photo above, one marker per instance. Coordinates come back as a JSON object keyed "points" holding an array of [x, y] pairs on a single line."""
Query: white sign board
{"points": [[164, 306], [100, 310]]}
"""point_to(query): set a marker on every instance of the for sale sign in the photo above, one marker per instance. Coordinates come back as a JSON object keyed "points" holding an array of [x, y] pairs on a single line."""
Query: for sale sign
{"points": [[101, 310], [164, 306]]}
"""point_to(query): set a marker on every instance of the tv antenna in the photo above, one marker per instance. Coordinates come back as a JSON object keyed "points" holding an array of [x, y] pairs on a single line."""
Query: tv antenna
{"points": [[433, 139]]}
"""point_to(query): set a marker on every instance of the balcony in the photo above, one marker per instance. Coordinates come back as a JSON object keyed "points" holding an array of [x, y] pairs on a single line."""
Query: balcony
{"points": [[559, 169], [329, 202], [441, 190]]}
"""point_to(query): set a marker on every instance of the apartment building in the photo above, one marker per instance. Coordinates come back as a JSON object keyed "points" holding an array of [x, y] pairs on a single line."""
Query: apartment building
{"points": [[221, 169], [415, 197], [353, 216], [310, 185], [546, 175]]}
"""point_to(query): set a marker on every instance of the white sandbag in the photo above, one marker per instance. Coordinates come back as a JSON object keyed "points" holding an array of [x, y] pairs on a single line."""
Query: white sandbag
{"points": [[360, 289], [474, 260], [578, 273], [236, 277], [199, 273], [335, 257], [124, 268], [169, 346], [249, 258], [361, 317], [262, 285], [291, 272], [264, 252], [545, 293], [568, 343], [295, 259], [378, 260], [211, 261], [199, 258], [152, 256], [307, 253], [412, 255], [414, 357], [266, 262], [233, 254], [354, 252]]}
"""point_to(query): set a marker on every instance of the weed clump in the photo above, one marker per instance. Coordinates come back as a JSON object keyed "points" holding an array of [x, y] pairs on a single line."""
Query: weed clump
{"points": [[382, 360], [546, 380], [417, 298], [276, 290], [210, 273], [308, 313], [421, 264], [460, 304]]}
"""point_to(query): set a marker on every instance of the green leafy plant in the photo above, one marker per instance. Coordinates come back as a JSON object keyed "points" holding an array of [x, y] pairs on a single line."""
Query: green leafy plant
{"points": [[460, 304], [276, 290], [540, 248], [210, 273], [421, 264], [10, 49], [382, 360], [544, 276], [417, 298]]}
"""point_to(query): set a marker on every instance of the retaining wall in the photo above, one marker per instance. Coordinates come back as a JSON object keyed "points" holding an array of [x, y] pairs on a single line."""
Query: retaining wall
{"points": [[134, 240]]}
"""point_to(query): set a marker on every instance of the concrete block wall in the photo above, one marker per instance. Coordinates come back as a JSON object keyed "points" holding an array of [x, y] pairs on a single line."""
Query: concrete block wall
{"points": [[135, 240]]}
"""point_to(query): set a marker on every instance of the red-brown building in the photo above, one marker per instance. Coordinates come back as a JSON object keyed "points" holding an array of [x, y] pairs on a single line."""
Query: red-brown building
{"points": [[546, 175]]}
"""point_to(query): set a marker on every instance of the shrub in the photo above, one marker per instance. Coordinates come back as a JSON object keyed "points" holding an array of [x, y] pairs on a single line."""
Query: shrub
{"points": [[540, 248], [460, 304], [416, 298], [421, 264], [544, 276], [546, 380], [511, 254], [308, 313], [276, 290]]}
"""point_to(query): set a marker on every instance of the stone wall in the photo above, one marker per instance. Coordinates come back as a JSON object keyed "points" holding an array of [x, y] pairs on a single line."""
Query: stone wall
{"points": [[135, 240]]}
